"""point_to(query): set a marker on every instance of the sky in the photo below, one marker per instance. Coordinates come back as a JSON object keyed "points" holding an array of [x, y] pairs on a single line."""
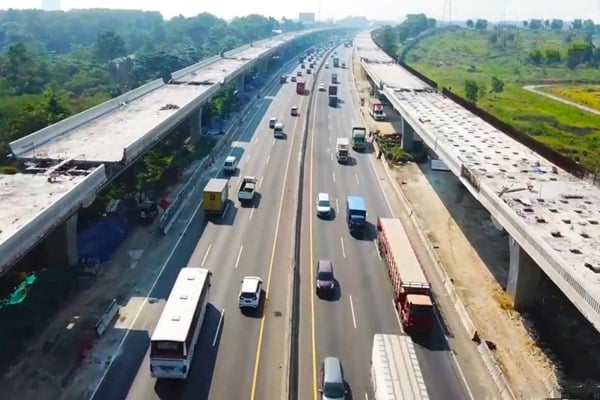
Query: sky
{"points": [[495, 10]]}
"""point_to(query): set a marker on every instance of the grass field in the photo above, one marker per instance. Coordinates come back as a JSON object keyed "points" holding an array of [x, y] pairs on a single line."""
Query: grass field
{"points": [[451, 58], [588, 95]]}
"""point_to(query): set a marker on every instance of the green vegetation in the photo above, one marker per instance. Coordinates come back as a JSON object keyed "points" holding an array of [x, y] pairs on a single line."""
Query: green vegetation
{"points": [[393, 152], [588, 95], [56, 64], [491, 65]]}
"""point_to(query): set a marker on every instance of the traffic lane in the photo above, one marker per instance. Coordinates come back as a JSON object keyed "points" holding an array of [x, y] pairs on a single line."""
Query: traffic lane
{"points": [[442, 379], [351, 320], [213, 252], [273, 345], [251, 257]]}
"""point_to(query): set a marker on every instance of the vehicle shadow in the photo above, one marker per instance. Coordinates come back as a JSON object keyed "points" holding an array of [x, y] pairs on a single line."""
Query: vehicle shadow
{"points": [[350, 162], [330, 217], [285, 136], [369, 233], [203, 365], [257, 199], [258, 311], [330, 295], [228, 216]]}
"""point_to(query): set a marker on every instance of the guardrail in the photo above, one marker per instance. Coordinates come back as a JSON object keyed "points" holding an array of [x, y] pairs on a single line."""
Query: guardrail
{"points": [[170, 214]]}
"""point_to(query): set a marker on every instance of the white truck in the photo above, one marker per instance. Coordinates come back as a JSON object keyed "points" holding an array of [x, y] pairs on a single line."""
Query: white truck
{"points": [[230, 165], [342, 149], [247, 190], [395, 370]]}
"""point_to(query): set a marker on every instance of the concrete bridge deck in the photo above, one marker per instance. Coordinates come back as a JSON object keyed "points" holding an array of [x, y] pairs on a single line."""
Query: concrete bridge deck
{"points": [[552, 215]]}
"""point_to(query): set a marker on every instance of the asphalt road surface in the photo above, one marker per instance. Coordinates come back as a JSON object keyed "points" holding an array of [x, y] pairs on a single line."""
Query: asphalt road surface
{"points": [[343, 325], [239, 355]]}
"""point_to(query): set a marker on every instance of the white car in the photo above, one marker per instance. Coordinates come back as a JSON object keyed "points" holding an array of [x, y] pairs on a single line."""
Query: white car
{"points": [[323, 205], [321, 87], [250, 292]]}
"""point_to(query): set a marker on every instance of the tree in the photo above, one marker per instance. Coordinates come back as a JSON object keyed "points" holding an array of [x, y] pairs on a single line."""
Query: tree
{"points": [[387, 39], [497, 85], [471, 90], [470, 23], [525, 24], [535, 24], [589, 27], [109, 46], [556, 24], [547, 23], [553, 56], [536, 57], [481, 24], [577, 24]]}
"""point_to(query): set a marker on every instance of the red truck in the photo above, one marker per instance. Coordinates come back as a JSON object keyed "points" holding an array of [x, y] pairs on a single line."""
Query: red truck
{"points": [[300, 87], [412, 291]]}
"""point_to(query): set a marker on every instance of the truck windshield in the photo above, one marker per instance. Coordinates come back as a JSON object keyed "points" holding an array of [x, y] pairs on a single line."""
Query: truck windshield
{"points": [[325, 276], [323, 203], [334, 390]]}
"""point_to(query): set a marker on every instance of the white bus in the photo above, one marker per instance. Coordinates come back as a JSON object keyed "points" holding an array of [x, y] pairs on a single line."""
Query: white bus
{"points": [[174, 339]]}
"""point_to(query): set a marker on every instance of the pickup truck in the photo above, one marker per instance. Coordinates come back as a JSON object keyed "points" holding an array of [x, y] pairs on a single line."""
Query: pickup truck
{"points": [[247, 190]]}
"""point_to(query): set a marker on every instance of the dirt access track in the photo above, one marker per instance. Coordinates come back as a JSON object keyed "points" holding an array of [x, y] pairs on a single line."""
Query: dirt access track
{"points": [[475, 256]]}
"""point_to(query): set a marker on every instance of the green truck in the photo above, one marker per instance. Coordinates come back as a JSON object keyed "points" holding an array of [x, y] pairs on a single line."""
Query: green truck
{"points": [[359, 138]]}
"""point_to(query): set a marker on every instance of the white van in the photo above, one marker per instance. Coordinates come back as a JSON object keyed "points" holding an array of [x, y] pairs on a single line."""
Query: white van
{"points": [[230, 165]]}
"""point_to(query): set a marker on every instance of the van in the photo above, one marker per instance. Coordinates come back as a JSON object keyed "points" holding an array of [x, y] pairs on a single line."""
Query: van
{"points": [[272, 122], [325, 278], [278, 130], [230, 165], [249, 296], [331, 380]]}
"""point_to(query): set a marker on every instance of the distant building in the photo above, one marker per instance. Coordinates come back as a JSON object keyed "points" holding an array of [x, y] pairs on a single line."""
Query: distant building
{"points": [[50, 5], [307, 17]]}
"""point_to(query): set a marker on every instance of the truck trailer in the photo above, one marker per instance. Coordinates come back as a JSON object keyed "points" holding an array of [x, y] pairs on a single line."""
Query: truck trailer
{"points": [[412, 290], [333, 99], [215, 196], [334, 79], [395, 370], [300, 87]]}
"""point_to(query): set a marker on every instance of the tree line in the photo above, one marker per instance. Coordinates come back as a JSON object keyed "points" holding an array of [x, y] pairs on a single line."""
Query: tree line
{"points": [[54, 64]]}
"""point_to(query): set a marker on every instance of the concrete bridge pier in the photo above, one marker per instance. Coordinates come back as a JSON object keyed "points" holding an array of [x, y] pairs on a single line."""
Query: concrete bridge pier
{"points": [[524, 277], [61, 245], [196, 125], [240, 83], [408, 136]]}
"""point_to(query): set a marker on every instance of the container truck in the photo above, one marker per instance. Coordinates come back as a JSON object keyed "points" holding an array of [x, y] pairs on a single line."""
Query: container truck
{"points": [[359, 138], [395, 370], [334, 78], [342, 147], [412, 291], [333, 99], [215, 196], [336, 62], [247, 190], [283, 79], [300, 87], [356, 214], [376, 111]]}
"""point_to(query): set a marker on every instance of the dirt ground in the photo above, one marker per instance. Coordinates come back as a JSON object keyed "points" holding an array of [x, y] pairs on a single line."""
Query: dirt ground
{"points": [[475, 256]]}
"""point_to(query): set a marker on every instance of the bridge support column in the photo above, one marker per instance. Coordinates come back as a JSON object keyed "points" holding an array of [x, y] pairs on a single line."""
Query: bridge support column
{"points": [[196, 125], [61, 244], [408, 136], [240, 83], [524, 277]]}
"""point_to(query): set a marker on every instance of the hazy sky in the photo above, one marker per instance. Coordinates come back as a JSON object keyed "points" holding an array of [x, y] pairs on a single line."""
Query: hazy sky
{"points": [[382, 9]]}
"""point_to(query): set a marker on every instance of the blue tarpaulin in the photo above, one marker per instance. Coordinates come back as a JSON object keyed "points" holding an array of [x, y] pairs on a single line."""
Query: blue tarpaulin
{"points": [[100, 240]]}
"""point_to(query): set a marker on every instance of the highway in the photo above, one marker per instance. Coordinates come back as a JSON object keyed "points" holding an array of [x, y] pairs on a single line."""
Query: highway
{"points": [[344, 325], [238, 355]]}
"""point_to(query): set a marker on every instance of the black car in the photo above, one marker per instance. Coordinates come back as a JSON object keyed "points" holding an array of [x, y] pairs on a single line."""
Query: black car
{"points": [[147, 211]]}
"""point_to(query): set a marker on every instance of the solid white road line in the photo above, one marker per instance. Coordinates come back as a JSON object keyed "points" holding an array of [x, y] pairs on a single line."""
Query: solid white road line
{"points": [[343, 250]]}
